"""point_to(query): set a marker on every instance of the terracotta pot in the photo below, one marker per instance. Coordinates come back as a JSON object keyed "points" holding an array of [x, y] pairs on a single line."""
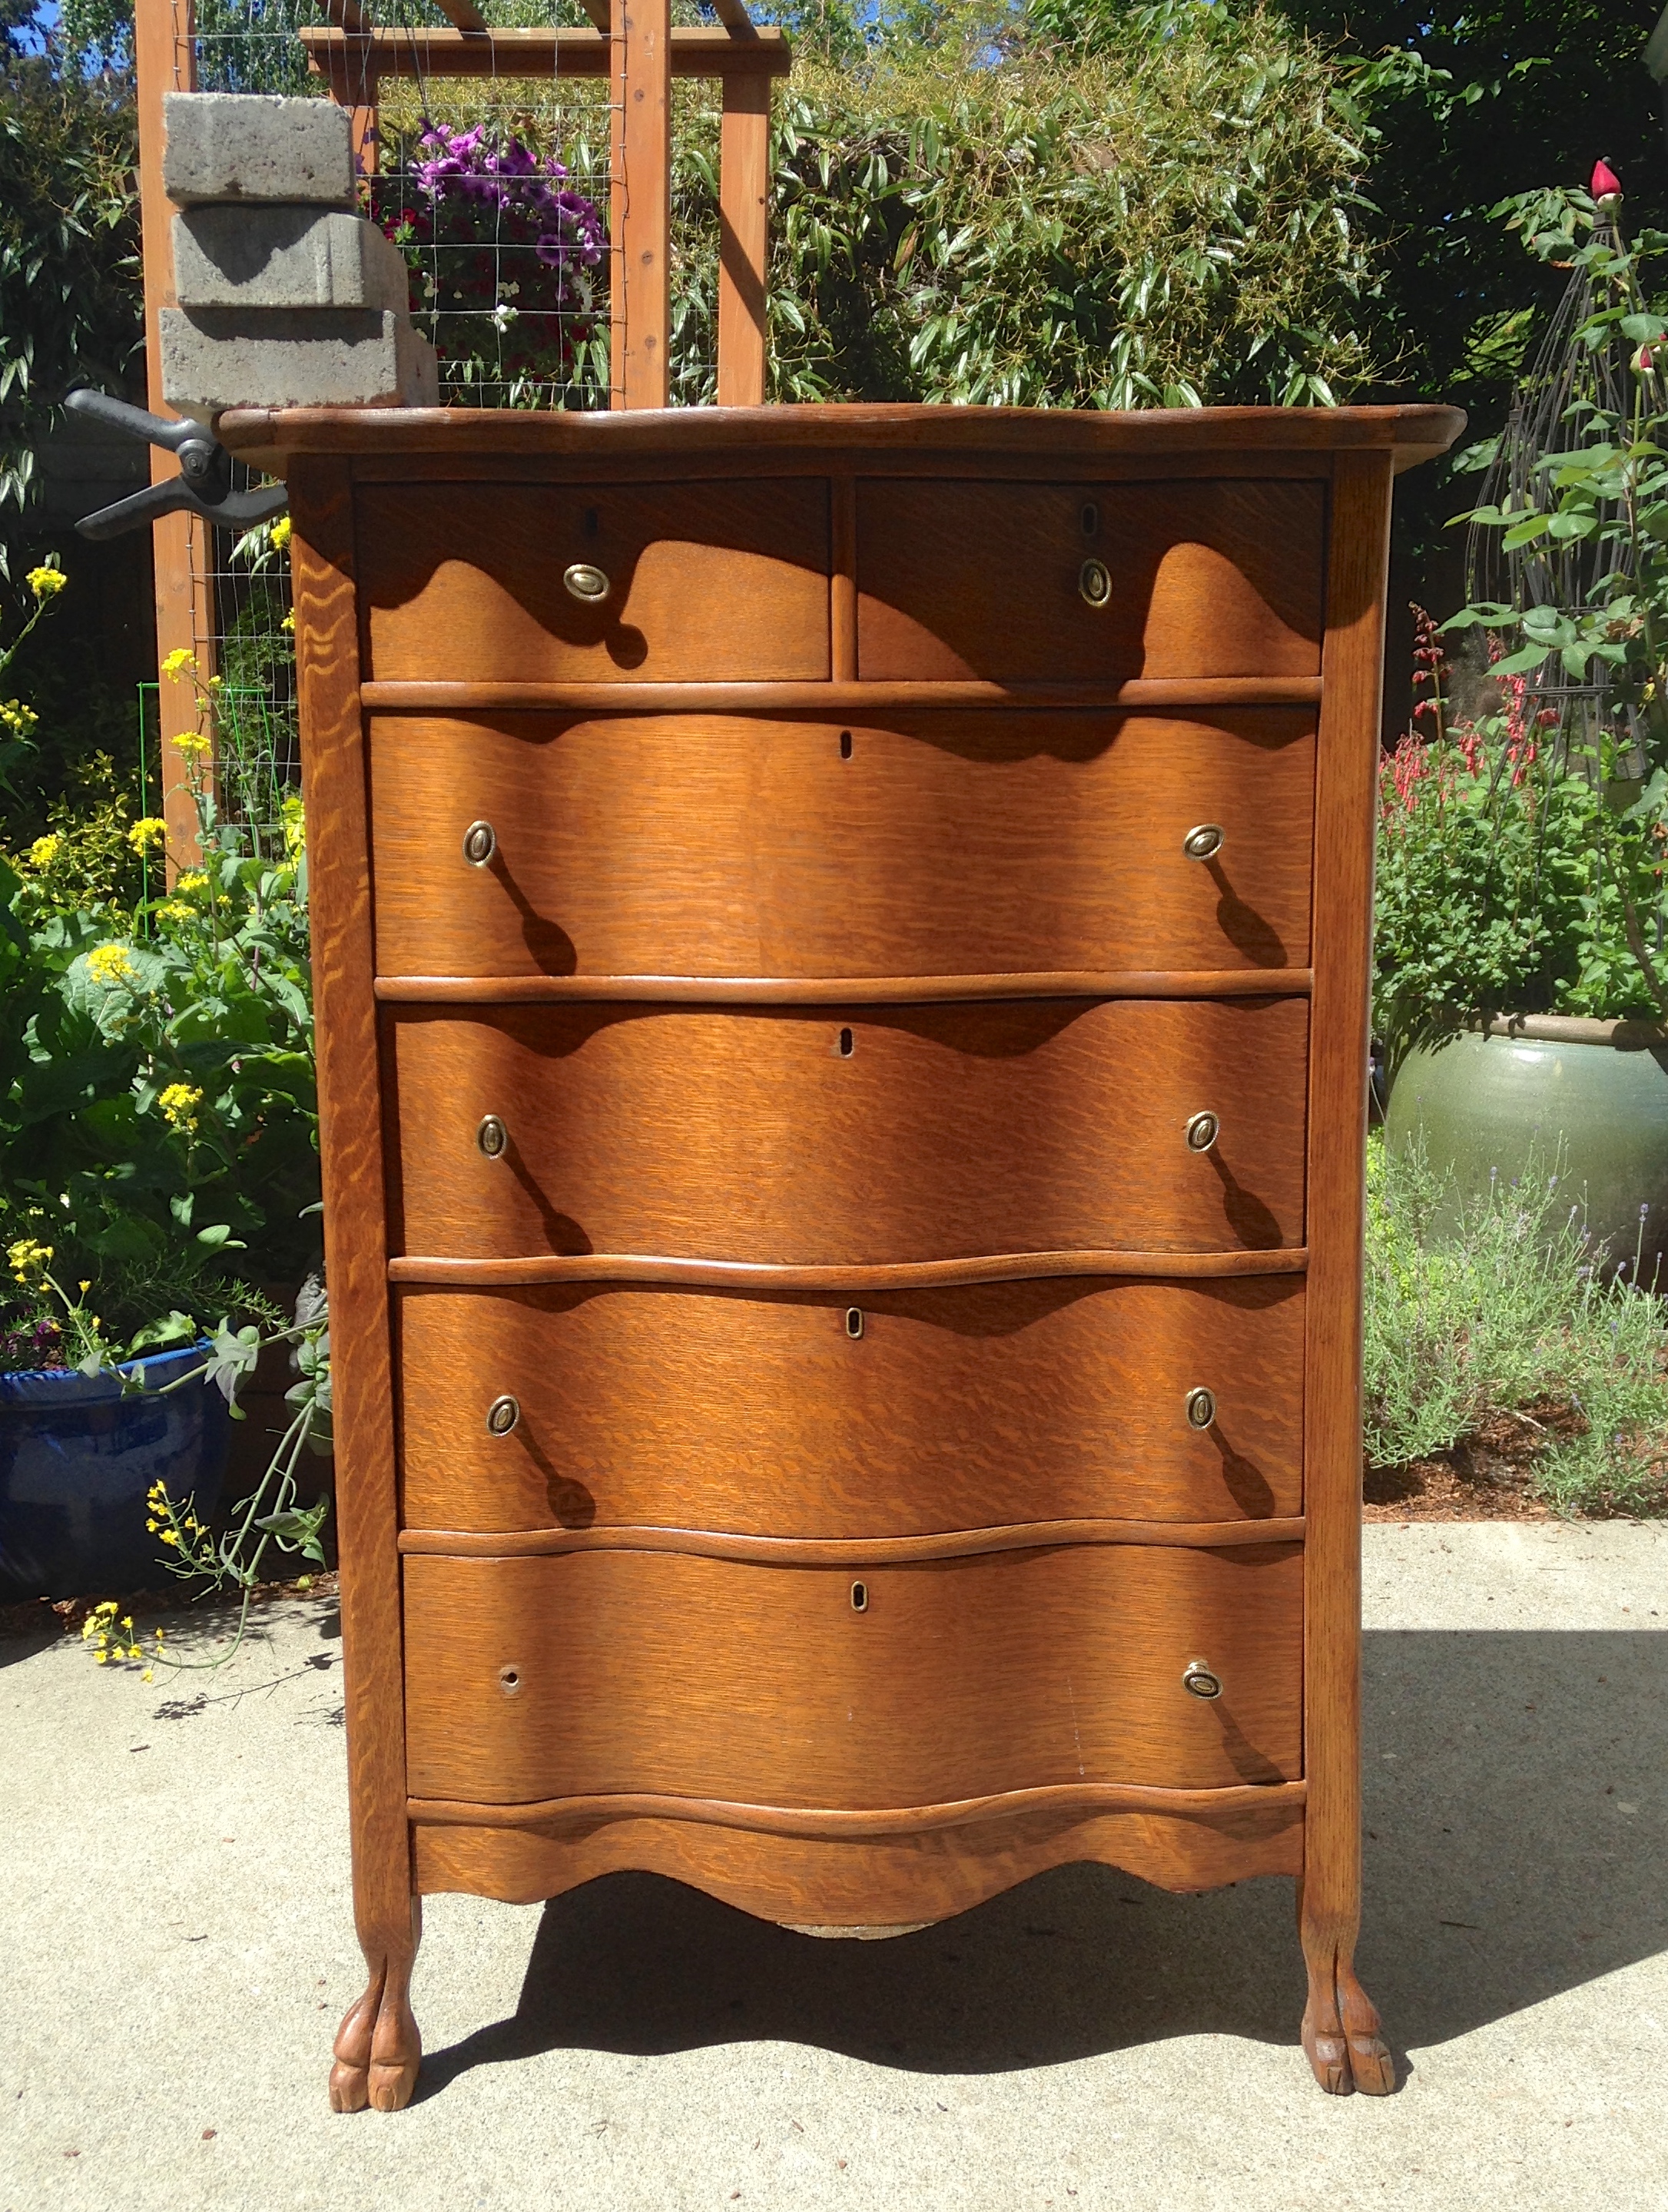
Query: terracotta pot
{"points": [[1589, 1098]]}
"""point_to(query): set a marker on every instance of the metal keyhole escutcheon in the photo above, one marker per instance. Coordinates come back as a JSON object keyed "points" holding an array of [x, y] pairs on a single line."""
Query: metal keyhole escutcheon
{"points": [[1199, 1682], [502, 1415], [1201, 1409], [583, 582], [492, 1136], [1203, 1130], [480, 844], [1203, 842]]}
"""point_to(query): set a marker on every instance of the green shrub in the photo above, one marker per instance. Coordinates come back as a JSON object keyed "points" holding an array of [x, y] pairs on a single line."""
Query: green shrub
{"points": [[1509, 1310]]}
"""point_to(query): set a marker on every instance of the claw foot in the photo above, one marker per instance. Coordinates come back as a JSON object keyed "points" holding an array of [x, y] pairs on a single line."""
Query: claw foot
{"points": [[378, 2050]]}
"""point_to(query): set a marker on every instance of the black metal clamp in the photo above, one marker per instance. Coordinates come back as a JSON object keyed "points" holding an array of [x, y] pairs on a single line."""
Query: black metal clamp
{"points": [[203, 488]]}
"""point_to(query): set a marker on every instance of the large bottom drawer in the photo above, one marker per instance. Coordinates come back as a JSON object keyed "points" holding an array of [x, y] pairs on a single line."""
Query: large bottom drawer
{"points": [[802, 1414], [596, 1672]]}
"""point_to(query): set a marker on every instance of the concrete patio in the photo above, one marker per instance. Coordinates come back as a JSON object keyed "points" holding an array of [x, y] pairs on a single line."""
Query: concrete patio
{"points": [[176, 1946]]}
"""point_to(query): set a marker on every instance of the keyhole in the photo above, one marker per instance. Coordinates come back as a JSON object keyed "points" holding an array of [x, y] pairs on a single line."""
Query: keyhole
{"points": [[509, 1680], [853, 1320], [859, 1597], [591, 525], [844, 745], [1091, 518], [847, 1045]]}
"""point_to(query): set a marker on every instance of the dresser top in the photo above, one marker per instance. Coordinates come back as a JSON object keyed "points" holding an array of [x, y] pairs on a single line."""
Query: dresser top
{"points": [[268, 437]]}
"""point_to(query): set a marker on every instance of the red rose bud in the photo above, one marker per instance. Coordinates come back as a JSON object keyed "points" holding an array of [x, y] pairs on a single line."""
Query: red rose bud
{"points": [[1606, 185], [1643, 361]]}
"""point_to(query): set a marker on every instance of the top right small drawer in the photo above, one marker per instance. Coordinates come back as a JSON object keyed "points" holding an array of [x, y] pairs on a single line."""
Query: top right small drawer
{"points": [[1060, 582]]}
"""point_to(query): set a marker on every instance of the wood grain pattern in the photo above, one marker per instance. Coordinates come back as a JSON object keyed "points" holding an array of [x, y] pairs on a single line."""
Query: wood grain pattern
{"points": [[848, 1551], [1340, 2027], [744, 240], [859, 1883], [705, 585], [1152, 436], [843, 990], [952, 1409], [640, 262], [792, 1136], [343, 59], [839, 1823], [528, 1271], [744, 847], [838, 697], [697, 1678], [980, 579], [378, 2046]]}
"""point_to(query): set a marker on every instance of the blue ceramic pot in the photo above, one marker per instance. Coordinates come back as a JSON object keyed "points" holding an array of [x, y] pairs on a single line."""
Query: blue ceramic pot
{"points": [[76, 1461]]}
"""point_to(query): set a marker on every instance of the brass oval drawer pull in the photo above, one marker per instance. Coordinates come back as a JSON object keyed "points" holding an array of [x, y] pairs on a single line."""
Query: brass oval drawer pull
{"points": [[502, 1415], [1094, 583], [492, 1136], [1203, 842], [1203, 1131], [1201, 1409], [480, 844], [1199, 1682], [585, 582]]}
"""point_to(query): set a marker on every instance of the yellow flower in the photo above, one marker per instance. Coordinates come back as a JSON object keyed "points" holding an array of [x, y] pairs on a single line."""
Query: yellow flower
{"points": [[46, 583], [112, 964], [150, 830], [17, 717], [44, 850], [169, 1537], [192, 744], [181, 658], [147, 1676], [289, 622], [176, 910], [27, 1260], [295, 826], [194, 880], [179, 1102], [280, 533]]}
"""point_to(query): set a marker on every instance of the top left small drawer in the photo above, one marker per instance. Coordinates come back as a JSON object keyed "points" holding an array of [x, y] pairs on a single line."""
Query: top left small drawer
{"points": [[523, 583]]}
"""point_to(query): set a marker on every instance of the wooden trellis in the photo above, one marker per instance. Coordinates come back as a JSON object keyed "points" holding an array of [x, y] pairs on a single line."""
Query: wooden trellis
{"points": [[636, 48]]}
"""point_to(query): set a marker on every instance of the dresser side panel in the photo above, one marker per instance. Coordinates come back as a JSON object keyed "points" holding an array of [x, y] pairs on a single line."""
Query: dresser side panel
{"points": [[350, 1143]]}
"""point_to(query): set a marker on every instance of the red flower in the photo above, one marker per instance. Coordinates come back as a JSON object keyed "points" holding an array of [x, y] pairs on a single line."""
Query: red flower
{"points": [[1605, 182]]}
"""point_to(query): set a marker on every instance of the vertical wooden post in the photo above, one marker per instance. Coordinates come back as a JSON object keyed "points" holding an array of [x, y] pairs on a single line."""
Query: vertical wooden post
{"points": [[640, 203], [743, 214], [164, 60]]}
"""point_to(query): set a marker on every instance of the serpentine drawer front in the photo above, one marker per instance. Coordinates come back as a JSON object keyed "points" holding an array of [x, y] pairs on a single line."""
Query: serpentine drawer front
{"points": [[602, 584], [849, 1135], [922, 845], [599, 1674], [1090, 579], [598, 1405], [840, 939]]}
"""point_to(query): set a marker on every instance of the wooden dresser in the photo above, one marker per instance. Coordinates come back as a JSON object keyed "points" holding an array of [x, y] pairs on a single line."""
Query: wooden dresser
{"points": [[841, 941]]}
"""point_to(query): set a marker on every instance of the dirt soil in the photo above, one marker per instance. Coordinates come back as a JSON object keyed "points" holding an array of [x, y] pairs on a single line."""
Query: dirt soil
{"points": [[1488, 1476]]}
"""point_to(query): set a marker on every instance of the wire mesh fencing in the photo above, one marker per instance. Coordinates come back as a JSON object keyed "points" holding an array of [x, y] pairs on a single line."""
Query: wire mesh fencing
{"points": [[496, 187]]}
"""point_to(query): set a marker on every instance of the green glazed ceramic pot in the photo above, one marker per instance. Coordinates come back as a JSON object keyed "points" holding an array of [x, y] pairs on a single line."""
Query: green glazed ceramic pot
{"points": [[1539, 1082]]}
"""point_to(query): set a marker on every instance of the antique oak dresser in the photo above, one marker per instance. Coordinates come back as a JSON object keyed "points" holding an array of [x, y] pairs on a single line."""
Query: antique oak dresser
{"points": [[841, 942]]}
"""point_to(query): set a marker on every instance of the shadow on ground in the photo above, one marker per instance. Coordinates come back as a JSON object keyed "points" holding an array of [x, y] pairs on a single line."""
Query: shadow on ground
{"points": [[1516, 1848]]}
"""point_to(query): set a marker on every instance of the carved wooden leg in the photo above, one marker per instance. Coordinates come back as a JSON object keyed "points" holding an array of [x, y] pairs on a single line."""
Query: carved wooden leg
{"points": [[1340, 2032], [378, 2045]]}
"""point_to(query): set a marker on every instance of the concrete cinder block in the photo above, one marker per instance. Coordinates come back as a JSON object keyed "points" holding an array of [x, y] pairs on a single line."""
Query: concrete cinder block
{"points": [[284, 257], [219, 357], [251, 146]]}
